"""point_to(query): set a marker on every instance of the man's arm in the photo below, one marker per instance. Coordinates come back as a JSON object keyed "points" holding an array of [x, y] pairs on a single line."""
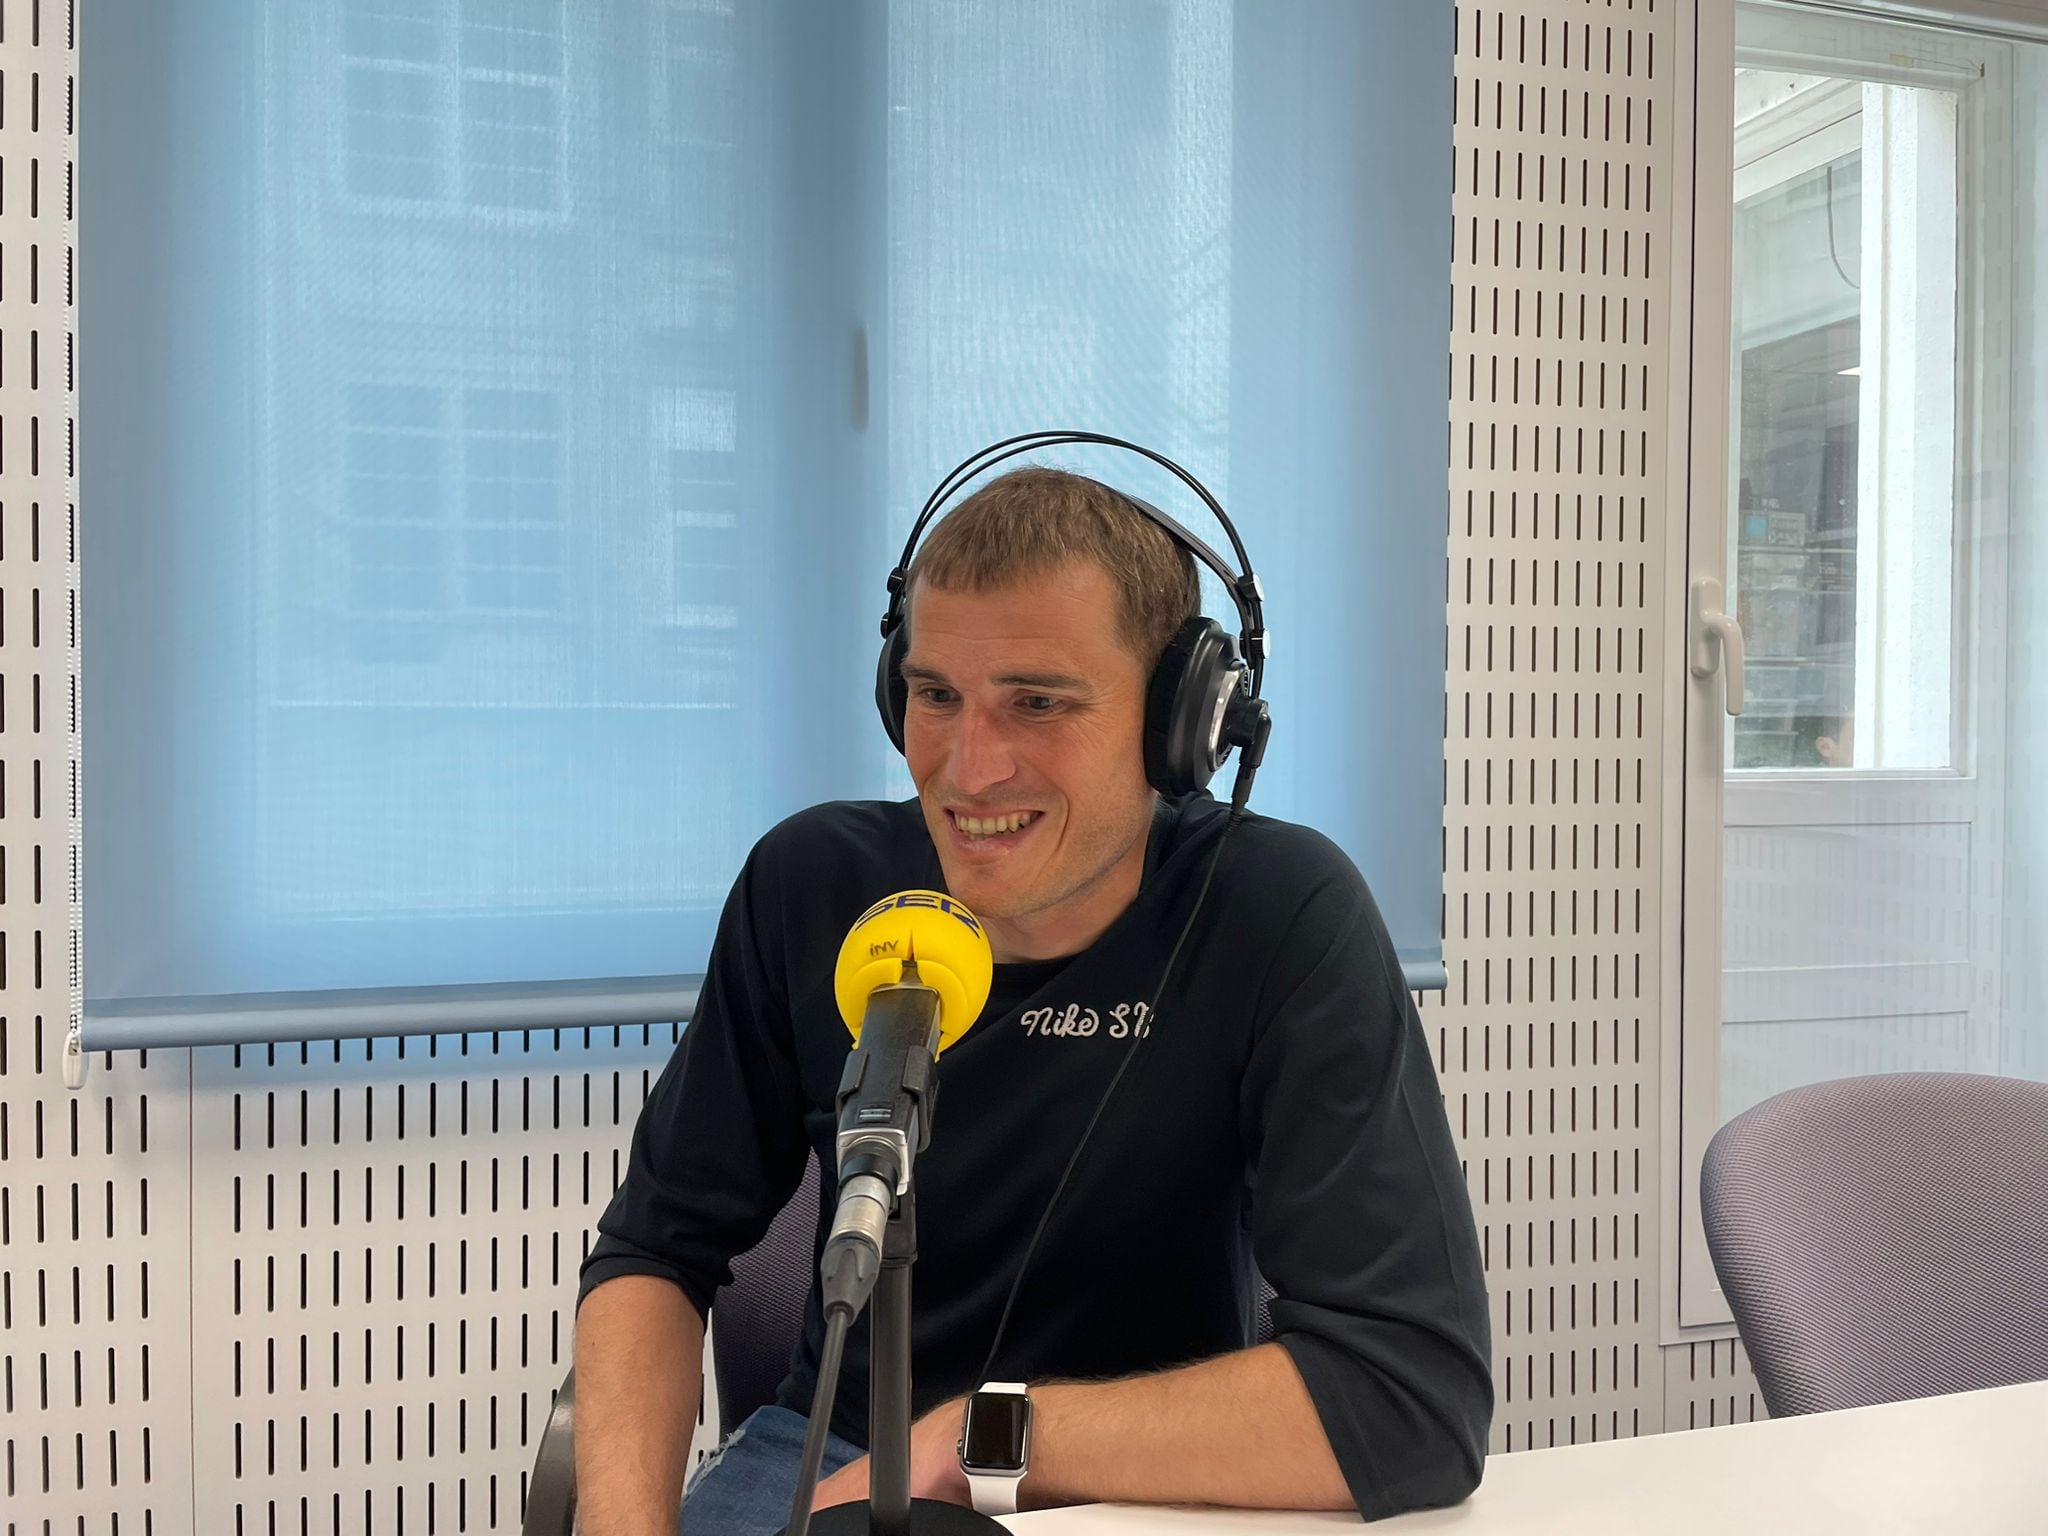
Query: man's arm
{"points": [[639, 1370], [717, 1151], [1238, 1430]]}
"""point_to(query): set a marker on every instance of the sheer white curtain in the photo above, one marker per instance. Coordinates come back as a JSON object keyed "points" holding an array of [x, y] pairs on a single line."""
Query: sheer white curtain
{"points": [[498, 416]]}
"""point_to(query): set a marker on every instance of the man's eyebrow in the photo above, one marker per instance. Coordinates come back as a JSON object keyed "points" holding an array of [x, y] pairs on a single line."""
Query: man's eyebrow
{"points": [[1060, 682]]}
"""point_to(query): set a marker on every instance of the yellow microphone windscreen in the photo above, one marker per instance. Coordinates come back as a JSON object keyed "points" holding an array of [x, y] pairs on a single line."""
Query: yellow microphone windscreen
{"points": [[944, 939]]}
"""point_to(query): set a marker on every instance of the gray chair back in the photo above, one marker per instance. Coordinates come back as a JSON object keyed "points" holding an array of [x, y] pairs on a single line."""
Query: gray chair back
{"points": [[1883, 1238], [758, 1319]]}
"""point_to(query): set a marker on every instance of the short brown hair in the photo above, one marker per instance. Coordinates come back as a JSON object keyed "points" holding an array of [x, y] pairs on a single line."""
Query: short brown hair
{"points": [[1033, 520]]}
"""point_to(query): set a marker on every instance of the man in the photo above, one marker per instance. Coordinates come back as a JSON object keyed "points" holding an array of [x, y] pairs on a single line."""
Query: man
{"points": [[1281, 1110]]}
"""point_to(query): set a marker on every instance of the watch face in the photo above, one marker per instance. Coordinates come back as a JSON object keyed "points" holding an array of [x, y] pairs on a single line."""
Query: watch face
{"points": [[997, 1423]]}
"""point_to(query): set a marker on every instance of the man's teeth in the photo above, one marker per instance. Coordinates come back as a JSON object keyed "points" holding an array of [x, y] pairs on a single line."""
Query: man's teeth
{"points": [[990, 826]]}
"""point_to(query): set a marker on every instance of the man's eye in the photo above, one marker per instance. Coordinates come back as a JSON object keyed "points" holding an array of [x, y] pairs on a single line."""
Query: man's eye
{"points": [[1040, 703], [931, 695]]}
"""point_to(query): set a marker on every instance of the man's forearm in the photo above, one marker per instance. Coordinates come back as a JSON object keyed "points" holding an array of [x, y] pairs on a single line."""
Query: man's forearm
{"points": [[1239, 1430], [639, 1370]]}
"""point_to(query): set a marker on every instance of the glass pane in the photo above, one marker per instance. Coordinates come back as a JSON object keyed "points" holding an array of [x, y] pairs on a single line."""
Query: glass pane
{"points": [[1844, 422], [510, 140], [392, 134], [390, 29], [513, 36]]}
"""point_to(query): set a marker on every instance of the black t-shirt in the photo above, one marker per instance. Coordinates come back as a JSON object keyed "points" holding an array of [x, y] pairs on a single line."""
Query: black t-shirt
{"points": [[1282, 1118]]}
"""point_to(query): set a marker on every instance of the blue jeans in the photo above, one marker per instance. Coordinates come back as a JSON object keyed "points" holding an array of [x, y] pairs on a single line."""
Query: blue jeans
{"points": [[744, 1487]]}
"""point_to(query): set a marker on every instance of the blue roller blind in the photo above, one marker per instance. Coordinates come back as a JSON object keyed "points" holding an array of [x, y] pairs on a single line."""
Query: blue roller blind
{"points": [[497, 418]]}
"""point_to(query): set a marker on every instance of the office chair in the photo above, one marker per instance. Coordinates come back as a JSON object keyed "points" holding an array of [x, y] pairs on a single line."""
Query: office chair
{"points": [[758, 1319], [1884, 1238]]}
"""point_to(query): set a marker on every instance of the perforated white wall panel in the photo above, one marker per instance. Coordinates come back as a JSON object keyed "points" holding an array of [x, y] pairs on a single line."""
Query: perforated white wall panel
{"points": [[95, 1392], [385, 1244], [326, 1290], [1549, 1038]]}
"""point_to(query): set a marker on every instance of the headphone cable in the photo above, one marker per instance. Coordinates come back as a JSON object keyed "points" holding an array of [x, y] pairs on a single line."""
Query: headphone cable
{"points": [[1142, 1029]]}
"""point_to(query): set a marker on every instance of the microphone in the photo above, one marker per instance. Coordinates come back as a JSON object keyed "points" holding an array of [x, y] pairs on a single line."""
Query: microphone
{"points": [[913, 975]]}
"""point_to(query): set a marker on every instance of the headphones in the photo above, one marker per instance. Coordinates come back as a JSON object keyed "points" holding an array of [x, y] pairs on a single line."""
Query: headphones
{"points": [[1203, 697]]}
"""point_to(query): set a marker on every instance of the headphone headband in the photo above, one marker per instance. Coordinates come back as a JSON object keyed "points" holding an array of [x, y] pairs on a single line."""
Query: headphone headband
{"points": [[1254, 640]]}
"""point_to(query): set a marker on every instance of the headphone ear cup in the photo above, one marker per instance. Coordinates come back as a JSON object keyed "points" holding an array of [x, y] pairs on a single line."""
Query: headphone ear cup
{"points": [[1183, 722], [892, 694]]}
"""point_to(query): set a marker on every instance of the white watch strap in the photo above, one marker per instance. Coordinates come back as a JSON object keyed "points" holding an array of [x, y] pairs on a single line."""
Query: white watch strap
{"points": [[993, 1495]]}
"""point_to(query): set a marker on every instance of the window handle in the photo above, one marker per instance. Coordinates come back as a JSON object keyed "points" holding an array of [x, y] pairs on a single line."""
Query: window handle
{"points": [[1716, 640]]}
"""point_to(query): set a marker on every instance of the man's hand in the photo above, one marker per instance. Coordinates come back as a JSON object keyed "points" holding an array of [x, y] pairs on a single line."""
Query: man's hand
{"points": [[934, 1463]]}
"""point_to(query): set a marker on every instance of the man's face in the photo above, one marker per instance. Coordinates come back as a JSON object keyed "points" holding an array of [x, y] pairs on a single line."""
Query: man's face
{"points": [[1023, 731]]}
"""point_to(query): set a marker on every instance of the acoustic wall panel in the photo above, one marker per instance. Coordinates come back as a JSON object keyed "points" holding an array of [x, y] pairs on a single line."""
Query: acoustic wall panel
{"points": [[1709, 1383], [1558, 663], [386, 1244], [95, 1393]]}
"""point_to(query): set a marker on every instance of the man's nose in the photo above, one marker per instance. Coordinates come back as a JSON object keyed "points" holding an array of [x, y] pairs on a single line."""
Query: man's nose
{"points": [[981, 752]]}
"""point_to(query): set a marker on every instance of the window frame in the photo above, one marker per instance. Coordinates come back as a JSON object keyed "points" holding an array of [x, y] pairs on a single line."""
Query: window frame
{"points": [[718, 626], [1971, 790], [451, 556], [449, 75], [468, 519]]}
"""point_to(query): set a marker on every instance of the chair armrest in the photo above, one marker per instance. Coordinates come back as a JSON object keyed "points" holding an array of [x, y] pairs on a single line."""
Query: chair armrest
{"points": [[551, 1495]]}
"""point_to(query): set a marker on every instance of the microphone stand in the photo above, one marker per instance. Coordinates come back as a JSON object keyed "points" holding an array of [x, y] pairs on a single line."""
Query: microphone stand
{"points": [[889, 1510], [889, 1500]]}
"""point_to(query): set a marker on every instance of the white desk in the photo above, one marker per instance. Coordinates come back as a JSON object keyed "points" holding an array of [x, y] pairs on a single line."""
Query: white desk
{"points": [[1973, 1463]]}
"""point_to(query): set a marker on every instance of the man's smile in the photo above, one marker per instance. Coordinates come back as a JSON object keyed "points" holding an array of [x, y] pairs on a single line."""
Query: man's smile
{"points": [[992, 833]]}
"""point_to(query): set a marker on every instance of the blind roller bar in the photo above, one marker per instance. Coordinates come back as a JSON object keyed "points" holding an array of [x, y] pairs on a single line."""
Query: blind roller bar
{"points": [[269, 1018], [275, 1018]]}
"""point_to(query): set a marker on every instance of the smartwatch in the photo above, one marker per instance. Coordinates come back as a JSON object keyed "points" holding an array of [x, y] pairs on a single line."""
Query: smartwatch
{"points": [[995, 1445]]}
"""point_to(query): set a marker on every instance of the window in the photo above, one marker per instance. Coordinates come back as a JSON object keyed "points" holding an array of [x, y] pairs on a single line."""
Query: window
{"points": [[696, 438], [1844, 420], [455, 101], [452, 502], [514, 525], [394, 502], [1863, 856]]}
